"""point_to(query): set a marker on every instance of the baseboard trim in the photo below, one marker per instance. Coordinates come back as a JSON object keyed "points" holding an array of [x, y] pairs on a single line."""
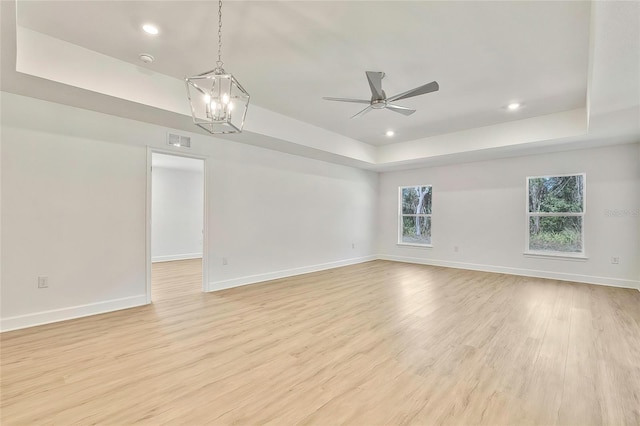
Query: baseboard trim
{"points": [[172, 257], [586, 279], [63, 314], [258, 278]]}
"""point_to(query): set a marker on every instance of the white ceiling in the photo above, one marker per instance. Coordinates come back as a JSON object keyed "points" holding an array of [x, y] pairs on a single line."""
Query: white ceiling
{"points": [[177, 163], [289, 54], [38, 63]]}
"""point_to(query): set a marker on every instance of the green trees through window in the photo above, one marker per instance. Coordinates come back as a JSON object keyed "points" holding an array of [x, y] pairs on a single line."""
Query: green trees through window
{"points": [[415, 215], [555, 213]]}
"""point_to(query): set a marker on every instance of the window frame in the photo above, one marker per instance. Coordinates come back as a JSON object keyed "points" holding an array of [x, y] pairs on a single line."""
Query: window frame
{"points": [[401, 215], [582, 255]]}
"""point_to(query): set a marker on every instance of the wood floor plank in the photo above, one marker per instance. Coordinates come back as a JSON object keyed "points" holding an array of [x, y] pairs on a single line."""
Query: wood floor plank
{"points": [[374, 343]]}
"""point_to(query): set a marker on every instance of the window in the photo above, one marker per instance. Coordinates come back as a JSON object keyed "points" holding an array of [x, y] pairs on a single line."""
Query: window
{"points": [[555, 213], [414, 223]]}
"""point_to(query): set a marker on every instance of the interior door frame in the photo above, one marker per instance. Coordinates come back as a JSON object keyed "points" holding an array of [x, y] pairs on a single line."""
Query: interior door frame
{"points": [[205, 217]]}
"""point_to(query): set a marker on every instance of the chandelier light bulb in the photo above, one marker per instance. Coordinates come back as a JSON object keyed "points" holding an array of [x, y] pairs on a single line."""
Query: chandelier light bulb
{"points": [[225, 98], [207, 98], [213, 104], [230, 107]]}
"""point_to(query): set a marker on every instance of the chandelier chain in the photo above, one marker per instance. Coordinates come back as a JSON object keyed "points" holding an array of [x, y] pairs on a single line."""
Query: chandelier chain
{"points": [[219, 63]]}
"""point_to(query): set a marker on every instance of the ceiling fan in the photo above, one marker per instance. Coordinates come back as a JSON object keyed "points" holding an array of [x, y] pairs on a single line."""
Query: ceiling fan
{"points": [[379, 99]]}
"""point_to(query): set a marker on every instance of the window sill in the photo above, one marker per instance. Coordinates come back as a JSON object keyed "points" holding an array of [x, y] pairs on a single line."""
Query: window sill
{"points": [[414, 245], [578, 257]]}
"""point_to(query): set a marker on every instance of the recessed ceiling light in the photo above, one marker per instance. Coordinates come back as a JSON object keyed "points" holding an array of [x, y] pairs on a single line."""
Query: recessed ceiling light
{"points": [[146, 58], [513, 106], [390, 133], [150, 29]]}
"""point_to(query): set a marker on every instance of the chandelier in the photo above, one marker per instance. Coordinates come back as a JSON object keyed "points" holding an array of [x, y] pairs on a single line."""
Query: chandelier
{"points": [[218, 102]]}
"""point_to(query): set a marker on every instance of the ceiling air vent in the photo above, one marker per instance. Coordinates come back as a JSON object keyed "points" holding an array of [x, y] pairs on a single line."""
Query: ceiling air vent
{"points": [[177, 140]]}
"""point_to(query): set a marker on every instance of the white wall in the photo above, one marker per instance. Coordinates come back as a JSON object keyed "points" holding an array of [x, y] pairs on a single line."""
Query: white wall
{"points": [[480, 207], [177, 203], [73, 208], [272, 214]]}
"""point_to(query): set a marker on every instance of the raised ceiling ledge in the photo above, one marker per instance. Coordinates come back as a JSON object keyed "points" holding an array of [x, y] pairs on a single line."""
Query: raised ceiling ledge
{"points": [[547, 127], [46, 57], [81, 77]]}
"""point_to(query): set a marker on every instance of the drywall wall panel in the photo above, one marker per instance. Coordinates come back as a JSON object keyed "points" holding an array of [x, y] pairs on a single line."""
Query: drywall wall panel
{"points": [[480, 209], [74, 208], [177, 210]]}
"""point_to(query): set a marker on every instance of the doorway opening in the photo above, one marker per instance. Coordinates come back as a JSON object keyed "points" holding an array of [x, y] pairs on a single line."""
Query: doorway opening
{"points": [[176, 228]]}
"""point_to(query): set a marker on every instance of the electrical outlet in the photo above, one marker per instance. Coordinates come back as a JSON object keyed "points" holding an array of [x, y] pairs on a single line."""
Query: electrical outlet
{"points": [[615, 260], [43, 282], [225, 261]]}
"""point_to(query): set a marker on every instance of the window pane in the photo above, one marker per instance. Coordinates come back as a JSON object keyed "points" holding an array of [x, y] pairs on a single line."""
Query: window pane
{"points": [[416, 229], [561, 194], [555, 233], [416, 200]]}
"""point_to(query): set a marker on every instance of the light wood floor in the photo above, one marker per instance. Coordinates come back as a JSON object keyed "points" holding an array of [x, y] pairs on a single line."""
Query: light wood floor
{"points": [[180, 278], [375, 343]]}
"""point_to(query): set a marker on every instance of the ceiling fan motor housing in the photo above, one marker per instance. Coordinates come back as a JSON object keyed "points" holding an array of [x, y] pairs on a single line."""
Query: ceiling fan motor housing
{"points": [[379, 103]]}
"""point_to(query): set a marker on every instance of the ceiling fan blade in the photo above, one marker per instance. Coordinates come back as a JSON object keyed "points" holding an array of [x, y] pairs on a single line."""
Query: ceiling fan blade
{"points": [[363, 112], [375, 83], [357, 101], [427, 88], [401, 109]]}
